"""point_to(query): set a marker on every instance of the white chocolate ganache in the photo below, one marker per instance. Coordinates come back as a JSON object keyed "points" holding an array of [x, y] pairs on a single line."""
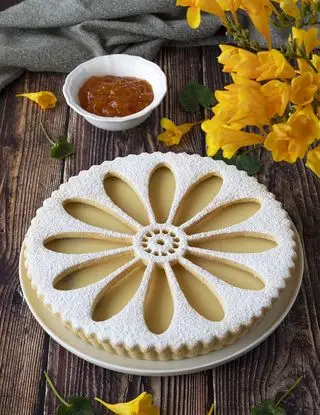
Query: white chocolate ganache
{"points": [[160, 256]]}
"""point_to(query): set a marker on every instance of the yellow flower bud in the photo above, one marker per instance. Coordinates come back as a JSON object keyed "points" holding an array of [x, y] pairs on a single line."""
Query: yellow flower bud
{"points": [[290, 8], [259, 12]]}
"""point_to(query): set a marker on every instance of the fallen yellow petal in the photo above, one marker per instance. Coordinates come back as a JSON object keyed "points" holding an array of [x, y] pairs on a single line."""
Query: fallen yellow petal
{"points": [[141, 405], [174, 133], [45, 99]]}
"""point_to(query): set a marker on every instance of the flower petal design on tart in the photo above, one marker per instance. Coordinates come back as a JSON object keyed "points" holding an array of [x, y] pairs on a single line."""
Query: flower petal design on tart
{"points": [[148, 245], [120, 192], [198, 197]]}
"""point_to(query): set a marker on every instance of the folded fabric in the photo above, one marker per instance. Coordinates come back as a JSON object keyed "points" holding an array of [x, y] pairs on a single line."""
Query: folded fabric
{"points": [[55, 35]]}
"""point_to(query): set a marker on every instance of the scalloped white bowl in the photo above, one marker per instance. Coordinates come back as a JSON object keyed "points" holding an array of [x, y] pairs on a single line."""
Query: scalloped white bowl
{"points": [[117, 65]]}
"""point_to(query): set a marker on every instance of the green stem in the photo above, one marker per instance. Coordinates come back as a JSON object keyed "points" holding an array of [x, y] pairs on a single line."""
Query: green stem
{"points": [[283, 397], [212, 410], [251, 149], [54, 390], [45, 133]]}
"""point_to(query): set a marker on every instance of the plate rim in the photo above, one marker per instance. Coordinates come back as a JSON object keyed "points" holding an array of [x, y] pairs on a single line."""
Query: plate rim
{"points": [[191, 368]]}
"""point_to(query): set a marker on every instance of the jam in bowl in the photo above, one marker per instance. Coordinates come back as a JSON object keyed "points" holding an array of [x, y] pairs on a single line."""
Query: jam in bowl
{"points": [[115, 96], [115, 92]]}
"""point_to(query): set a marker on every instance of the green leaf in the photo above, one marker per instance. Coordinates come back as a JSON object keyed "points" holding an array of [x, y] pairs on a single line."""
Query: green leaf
{"points": [[77, 406], [230, 162], [267, 407], [193, 96], [249, 164], [62, 149]]}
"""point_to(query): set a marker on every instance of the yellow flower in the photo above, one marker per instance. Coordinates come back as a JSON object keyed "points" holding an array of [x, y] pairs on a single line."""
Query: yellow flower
{"points": [[259, 12], [218, 135], [313, 160], [241, 104], [274, 65], [290, 8], [196, 6], [307, 38], [303, 89], [173, 133], [45, 99], [232, 141], [239, 60], [230, 6], [288, 141], [277, 94], [142, 405]]}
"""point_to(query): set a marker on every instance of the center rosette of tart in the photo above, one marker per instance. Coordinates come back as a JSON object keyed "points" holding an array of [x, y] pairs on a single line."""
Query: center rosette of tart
{"points": [[160, 243]]}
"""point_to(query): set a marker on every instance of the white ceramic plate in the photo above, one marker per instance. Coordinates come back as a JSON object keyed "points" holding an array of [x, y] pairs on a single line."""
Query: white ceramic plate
{"points": [[55, 328]]}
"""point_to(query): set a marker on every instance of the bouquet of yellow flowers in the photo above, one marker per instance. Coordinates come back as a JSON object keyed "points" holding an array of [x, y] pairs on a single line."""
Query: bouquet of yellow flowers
{"points": [[274, 92]]}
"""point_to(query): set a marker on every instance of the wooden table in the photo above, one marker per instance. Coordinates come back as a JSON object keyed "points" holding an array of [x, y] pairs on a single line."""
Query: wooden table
{"points": [[28, 175]]}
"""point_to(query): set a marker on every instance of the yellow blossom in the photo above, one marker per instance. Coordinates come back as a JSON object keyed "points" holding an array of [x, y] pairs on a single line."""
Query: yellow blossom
{"points": [[303, 89], [277, 94], [230, 6], [220, 136], [196, 6], [142, 405], [290, 8], [274, 65], [46, 99], [260, 12], [291, 140], [313, 160], [304, 67], [173, 133], [240, 61], [242, 104], [307, 38]]}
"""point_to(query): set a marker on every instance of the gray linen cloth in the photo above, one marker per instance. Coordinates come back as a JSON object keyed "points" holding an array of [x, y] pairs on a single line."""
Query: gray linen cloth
{"points": [[57, 35]]}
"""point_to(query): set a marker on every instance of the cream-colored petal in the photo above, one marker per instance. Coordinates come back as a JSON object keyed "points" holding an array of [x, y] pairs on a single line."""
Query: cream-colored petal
{"points": [[126, 198], [224, 216], [197, 198], [90, 272], [96, 216], [158, 303], [81, 243], [242, 242], [199, 295], [162, 186], [118, 293]]}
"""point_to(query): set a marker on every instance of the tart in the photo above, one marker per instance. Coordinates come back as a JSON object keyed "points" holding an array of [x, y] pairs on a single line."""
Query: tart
{"points": [[160, 256]]}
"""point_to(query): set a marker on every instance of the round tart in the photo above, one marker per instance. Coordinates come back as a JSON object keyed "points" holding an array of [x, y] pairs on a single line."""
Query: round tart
{"points": [[160, 256]]}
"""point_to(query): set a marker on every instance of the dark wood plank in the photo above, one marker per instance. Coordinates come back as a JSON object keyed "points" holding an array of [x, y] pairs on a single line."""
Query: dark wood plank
{"points": [[28, 176]]}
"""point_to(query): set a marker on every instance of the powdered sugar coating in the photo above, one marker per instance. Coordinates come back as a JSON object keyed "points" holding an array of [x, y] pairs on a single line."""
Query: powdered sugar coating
{"points": [[128, 328]]}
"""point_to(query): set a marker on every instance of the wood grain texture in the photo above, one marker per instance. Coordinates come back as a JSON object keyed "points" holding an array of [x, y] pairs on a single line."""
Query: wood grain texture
{"points": [[28, 175]]}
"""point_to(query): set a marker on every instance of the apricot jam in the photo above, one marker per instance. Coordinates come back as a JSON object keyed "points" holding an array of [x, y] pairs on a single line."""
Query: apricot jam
{"points": [[115, 96]]}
